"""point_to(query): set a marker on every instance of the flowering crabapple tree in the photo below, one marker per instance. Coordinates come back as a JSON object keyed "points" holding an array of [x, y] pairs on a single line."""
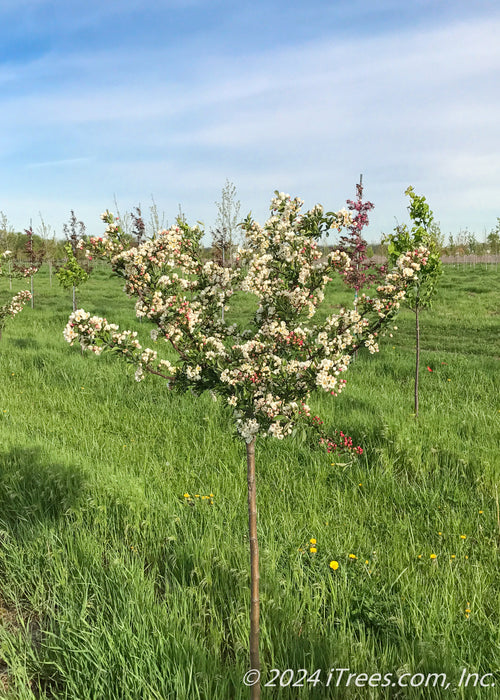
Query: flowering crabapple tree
{"points": [[264, 371], [16, 303], [421, 236]]}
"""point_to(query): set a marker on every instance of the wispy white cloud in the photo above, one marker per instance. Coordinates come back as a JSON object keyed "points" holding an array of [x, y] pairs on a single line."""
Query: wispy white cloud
{"points": [[57, 163]]}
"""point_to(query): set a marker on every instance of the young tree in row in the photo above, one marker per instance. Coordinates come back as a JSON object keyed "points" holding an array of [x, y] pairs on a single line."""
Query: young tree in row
{"points": [[76, 270], [34, 261], [264, 372], [50, 245], [138, 226], [15, 305], [493, 238], [226, 225], [423, 234], [363, 272]]}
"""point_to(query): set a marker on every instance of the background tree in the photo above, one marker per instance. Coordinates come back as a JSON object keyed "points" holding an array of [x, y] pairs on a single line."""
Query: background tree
{"points": [[7, 233], [7, 238], [493, 238], [74, 231], [76, 270], [71, 274], [362, 272], [422, 235], [50, 245], [138, 226], [14, 305], [157, 220], [34, 258], [226, 224], [221, 246]]}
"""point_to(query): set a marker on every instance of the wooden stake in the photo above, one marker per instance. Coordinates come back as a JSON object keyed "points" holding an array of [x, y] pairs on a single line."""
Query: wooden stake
{"points": [[254, 567], [417, 356]]}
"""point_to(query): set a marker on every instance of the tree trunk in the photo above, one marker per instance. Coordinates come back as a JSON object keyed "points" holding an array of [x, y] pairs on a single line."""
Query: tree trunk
{"points": [[417, 356], [74, 298], [32, 294], [254, 567]]}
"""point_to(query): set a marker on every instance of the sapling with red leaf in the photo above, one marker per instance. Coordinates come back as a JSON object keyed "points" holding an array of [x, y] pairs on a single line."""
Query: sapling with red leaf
{"points": [[362, 272]]}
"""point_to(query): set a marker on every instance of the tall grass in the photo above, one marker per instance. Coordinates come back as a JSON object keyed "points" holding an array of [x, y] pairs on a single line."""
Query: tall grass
{"points": [[114, 585]]}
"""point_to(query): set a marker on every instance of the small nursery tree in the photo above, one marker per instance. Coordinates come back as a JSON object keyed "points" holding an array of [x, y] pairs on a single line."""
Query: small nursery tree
{"points": [[34, 260], [138, 226], [493, 238], [71, 274], [76, 270], [423, 235], [221, 246], [264, 372], [50, 244], [15, 305], [362, 271], [226, 224]]}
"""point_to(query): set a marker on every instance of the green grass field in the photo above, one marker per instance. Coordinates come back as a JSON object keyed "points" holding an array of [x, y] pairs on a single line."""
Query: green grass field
{"points": [[114, 586]]}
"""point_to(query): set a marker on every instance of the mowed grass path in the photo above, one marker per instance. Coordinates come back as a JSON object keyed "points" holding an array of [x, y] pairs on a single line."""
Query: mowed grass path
{"points": [[114, 586]]}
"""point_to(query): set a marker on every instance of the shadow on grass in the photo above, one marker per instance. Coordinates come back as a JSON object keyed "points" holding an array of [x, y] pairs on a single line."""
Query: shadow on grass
{"points": [[25, 342], [34, 489]]}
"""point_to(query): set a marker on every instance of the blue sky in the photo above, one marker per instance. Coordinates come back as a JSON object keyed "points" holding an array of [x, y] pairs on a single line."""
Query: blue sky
{"points": [[131, 99]]}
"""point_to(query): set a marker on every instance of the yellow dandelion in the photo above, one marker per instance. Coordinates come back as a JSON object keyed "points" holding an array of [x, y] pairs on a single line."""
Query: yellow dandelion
{"points": [[440, 533], [433, 556], [366, 561], [211, 495], [420, 556], [334, 565], [467, 610], [196, 495], [463, 537], [453, 556], [352, 556], [313, 550], [186, 495], [481, 512], [466, 556], [312, 540]]}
